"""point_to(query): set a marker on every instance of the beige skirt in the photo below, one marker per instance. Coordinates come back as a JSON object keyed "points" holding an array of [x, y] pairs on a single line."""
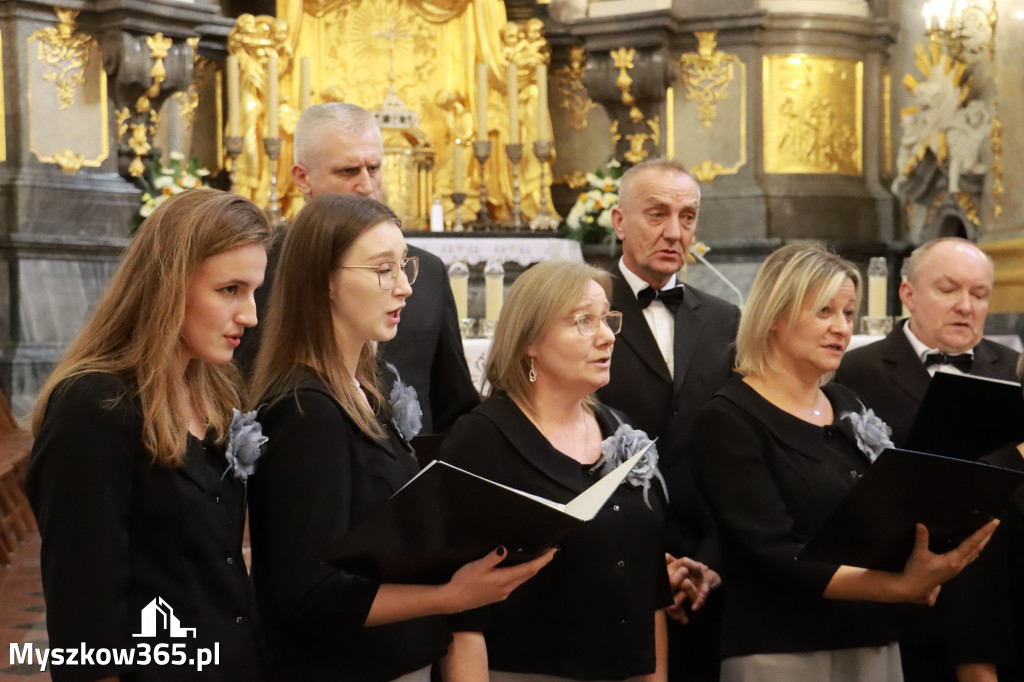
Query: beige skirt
{"points": [[866, 664], [498, 676], [421, 675]]}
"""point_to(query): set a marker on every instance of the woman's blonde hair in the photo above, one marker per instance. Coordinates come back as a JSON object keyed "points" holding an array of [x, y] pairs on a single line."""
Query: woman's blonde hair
{"points": [[796, 277], [300, 330], [135, 330], [541, 295]]}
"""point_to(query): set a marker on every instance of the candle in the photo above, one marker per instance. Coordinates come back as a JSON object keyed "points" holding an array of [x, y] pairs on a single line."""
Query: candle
{"points": [[436, 216], [305, 89], [481, 102], [878, 279], [234, 122], [494, 287], [542, 103], [670, 122], [458, 276], [273, 129], [457, 166], [513, 103]]}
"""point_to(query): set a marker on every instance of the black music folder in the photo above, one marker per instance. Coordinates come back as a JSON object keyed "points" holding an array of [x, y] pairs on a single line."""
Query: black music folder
{"points": [[446, 517], [873, 527], [967, 416]]}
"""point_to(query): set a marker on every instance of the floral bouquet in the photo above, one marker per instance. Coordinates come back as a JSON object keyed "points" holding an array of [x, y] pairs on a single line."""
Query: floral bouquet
{"points": [[162, 181], [590, 220]]}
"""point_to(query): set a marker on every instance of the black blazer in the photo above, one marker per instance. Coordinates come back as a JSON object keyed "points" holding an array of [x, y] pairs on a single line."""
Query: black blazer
{"points": [[428, 348], [771, 480], [589, 614], [118, 532], [320, 477], [986, 602], [665, 407], [890, 378]]}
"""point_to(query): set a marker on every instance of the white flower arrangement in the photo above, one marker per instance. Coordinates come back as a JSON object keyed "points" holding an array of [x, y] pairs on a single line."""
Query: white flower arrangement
{"points": [[163, 181], [590, 219]]}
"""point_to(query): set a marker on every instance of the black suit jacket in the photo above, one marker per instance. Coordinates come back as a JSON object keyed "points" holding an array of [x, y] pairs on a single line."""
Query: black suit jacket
{"points": [[118, 531], [890, 378], [589, 614], [665, 407], [428, 348], [320, 477], [772, 479], [427, 351]]}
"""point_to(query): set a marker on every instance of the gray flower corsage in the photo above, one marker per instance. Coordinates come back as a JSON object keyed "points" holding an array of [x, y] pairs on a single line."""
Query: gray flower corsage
{"points": [[623, 444], [405, 407], [245, 443], [871, 432]]}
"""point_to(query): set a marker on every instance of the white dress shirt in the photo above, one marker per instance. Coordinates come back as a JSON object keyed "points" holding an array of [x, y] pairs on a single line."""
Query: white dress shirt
{"points": [[659, 319], [922, 350]]}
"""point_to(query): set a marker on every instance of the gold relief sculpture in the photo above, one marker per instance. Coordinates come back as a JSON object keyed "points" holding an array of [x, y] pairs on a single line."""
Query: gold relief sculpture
{"points": [[637, 151], [575, 97], [254, 39], [969, 207], [158, 46], [707, 169], [574, 180], [139, 144], [997, 167], [69, 161], [69, 60], [706, 74], [623, 60], [613, 131], [122, 122], [65, 53], [202, 70], [813, 112]]}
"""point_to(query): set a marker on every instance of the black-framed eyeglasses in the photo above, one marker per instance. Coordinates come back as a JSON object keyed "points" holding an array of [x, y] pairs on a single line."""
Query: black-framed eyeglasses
{"points": [[387, 272], [588, 323]]}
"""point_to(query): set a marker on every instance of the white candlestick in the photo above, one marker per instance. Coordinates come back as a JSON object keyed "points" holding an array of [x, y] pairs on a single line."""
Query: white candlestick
{"points": [[513, 103], [273, 128], [234, 113], [542, 103], [458, 167], [494, 288], [305, 78], [876, 296]]}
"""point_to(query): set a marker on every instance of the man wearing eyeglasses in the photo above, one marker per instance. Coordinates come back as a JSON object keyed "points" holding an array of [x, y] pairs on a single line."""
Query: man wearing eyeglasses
{"points": [[339, 150], [674, 352]]}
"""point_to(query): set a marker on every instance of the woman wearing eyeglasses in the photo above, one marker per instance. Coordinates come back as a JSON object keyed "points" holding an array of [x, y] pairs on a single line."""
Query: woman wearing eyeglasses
{"points": [[336, 452], [596, 612]]}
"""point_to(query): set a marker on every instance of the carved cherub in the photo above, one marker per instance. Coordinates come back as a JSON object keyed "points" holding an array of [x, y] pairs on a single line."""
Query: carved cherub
{"points": [[971, 125]]}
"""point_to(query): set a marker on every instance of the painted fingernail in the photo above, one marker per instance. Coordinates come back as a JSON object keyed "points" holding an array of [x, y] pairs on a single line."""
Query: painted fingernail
{"points": [[501, 551]]}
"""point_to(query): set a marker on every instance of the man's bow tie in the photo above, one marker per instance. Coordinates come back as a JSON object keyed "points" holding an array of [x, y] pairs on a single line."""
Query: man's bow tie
{"points": [[670, 297], [962, 362]]}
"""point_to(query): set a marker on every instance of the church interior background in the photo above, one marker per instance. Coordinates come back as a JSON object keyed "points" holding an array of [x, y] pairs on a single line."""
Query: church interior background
{"points": [[871, 125]]}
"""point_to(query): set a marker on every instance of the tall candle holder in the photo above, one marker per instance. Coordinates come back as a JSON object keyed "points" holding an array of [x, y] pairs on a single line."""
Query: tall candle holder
{"points": [[272, 146], [515, 155], [458, 198], [544, 220], [482, 151], [233, 146]]}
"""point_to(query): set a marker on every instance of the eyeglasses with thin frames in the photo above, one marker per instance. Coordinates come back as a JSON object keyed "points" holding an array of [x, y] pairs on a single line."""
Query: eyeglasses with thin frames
{"points": [[588, 323], [387, 272]]}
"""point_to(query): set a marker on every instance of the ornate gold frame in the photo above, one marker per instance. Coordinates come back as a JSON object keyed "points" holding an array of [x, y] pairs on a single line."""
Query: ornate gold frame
{"points": [[708, 169]]}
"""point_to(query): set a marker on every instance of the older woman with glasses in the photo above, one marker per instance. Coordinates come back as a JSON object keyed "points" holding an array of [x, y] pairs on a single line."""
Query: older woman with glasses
{"points": [[338, 449], [596, 613]]}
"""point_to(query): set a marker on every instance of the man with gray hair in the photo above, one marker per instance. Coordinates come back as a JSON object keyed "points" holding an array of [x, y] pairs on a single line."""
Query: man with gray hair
{"points": [[947, 290], [674, 352], [339, 150]]}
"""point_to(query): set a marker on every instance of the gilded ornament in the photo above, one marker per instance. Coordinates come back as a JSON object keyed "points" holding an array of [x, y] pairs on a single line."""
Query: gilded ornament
{"points": [[69, 161], [158, 46], [623, 60], [122, 122], [575, 180], [202, 70], [970, 209], [613, 130], [813, 109], [575, 97], [707, 74], [65, 55], [997, 168], [707, 170], [139, 143]]}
